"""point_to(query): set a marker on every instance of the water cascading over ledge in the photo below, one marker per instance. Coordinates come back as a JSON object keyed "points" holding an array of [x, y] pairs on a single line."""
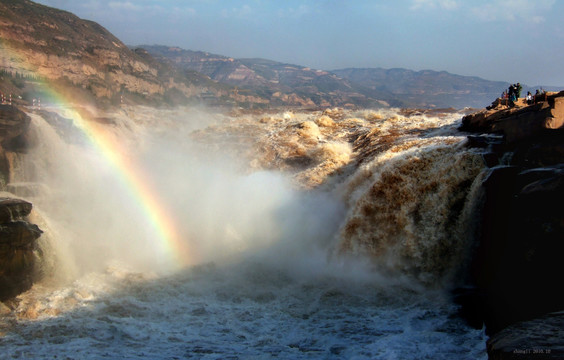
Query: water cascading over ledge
{"points": [[409, 181], [276, 266], [410, 184], [412, 208]]}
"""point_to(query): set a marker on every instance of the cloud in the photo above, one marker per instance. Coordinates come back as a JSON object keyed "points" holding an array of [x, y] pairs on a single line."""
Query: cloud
{"points": [[240, 12], [513, 10], [433, 4], [299, 11], [114, 5]]}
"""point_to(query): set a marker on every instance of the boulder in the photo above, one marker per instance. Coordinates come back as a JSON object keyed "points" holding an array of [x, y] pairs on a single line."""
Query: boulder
{"points": [[541, 338], [18, 245], [11, 209]]}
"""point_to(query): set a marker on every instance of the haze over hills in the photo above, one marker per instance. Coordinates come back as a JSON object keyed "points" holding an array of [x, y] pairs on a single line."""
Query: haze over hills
{"points": [[41, 43], [427, 87], [279, 83], [368, 87]]}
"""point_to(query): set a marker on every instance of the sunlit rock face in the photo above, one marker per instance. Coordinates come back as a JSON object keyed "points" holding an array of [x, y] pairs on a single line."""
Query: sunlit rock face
{"points": [[521, 121], [42, 42]]}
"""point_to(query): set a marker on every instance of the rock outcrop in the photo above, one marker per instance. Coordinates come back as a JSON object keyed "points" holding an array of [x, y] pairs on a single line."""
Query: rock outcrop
{"points": [[519, 122], [519, 257], [18, 244], [18, 237], [14, 139], [535, 339]]}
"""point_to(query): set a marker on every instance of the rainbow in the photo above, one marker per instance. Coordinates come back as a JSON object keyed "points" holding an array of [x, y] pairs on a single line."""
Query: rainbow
{"points": [[129, 173]]}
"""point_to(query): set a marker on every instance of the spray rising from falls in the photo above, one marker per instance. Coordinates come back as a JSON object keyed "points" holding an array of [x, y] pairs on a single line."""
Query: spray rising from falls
{"points": [[156, 201], [399, 190]]}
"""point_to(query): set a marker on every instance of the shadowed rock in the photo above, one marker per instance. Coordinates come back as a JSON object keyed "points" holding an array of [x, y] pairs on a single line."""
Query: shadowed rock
{"points": [[522, 224], [536, 339], [18, 242]]}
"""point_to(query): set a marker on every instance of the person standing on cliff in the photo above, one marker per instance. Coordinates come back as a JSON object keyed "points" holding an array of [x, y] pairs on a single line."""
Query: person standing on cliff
{"points": [[518, 90], [511, 94]]}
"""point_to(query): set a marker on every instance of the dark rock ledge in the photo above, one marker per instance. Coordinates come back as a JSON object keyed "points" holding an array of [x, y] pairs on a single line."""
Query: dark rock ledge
{"points": [[18, 246], [18, 237], [518, 263]]}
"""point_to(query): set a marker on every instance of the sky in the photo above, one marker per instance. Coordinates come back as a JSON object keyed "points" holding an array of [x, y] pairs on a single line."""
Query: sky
{"points": [[505, 40]]}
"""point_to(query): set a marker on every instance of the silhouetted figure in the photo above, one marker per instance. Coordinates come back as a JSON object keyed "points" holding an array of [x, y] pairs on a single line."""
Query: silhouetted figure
{"points": [[512, 95]]}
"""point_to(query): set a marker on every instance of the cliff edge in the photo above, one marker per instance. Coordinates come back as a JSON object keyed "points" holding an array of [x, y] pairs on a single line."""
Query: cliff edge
{"points": [[518, 261]]}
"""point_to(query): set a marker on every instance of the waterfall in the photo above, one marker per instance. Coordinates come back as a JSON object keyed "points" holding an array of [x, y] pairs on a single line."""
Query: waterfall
{"points": [[334, 249], [405, 199], [412, 208]]}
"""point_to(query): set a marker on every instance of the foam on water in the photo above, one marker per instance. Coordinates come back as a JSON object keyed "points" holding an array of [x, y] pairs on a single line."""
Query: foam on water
{"points": [[248, 310]]}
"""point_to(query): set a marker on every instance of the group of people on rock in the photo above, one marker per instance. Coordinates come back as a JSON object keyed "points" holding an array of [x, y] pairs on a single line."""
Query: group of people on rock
{"points": [[539, 96], [514, 92]]}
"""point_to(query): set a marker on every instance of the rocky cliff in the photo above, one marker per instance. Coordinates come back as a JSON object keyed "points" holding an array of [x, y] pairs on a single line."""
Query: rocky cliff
{"points": [[58, 46], [18, 246], [44, 48], [518, 263], [18, 237]]}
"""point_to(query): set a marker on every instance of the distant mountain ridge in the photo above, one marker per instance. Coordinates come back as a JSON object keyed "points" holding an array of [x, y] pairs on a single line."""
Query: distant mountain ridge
{"points": [[280, 83], [358, 86], [427, 88]]}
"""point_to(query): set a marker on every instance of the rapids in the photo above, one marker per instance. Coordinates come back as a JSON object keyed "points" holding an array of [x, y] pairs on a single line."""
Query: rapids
{"points": [[311, 235]]}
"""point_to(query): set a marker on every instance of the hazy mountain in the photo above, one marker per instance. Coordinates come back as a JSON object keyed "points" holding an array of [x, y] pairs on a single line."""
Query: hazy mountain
{"points": [[361, 87], [427, 88], [280, 83]]}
